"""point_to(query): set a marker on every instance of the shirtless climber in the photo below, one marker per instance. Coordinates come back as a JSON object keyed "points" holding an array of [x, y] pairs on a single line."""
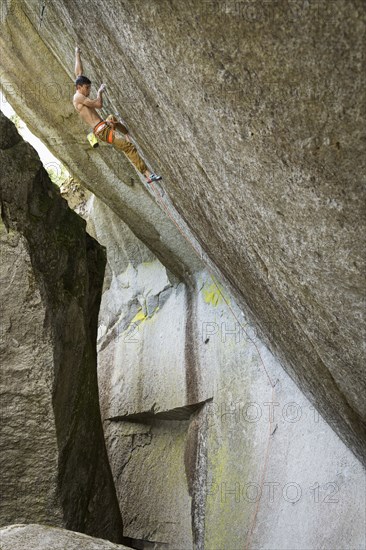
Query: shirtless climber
{"points": [[104, 130]]}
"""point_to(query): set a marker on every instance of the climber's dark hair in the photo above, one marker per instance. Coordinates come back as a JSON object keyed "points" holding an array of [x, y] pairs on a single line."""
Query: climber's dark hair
{"points": [[81, 80]]}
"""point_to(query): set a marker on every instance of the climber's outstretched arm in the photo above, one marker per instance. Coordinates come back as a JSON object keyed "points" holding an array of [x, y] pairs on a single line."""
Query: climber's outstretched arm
{"points": [[78, 63], [94, 103]]}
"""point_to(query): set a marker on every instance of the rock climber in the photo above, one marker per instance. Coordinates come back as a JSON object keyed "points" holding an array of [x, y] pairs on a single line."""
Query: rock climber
{"points": [[104, 130]]}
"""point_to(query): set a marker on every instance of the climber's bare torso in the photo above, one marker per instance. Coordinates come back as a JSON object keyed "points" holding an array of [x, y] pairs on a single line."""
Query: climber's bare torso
{"points": [[86, 108]]}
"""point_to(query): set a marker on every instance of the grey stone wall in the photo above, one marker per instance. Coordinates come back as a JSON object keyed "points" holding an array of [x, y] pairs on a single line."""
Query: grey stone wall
{"points": [[253, 113], [211, 444], [54, 466]]}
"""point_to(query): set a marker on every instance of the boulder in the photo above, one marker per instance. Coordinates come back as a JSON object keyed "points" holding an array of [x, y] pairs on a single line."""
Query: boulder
{"points": [[42, 537]]}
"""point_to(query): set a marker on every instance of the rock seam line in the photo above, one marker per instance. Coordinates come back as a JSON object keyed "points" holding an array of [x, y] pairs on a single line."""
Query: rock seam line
{"points": [[264, 469]]}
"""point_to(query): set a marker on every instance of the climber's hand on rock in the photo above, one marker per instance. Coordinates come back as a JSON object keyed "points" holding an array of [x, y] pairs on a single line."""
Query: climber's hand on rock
{"points": [[101, 88], [77, 50]]}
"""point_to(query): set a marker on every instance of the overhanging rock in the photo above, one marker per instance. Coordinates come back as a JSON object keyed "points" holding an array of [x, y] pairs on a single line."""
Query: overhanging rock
{"points": [[258, 133]]}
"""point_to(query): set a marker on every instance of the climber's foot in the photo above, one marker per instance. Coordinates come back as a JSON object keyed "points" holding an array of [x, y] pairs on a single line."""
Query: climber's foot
{"points": [[153, 177]]}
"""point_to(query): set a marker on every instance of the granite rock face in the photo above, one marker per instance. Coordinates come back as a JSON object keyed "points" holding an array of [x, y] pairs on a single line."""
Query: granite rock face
{"points": [[211, 444], [40, 537], [54, 466], [253, 113]]}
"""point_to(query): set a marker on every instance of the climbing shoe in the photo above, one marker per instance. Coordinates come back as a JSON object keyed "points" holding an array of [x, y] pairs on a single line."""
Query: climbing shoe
{"points": [[153, 177]]}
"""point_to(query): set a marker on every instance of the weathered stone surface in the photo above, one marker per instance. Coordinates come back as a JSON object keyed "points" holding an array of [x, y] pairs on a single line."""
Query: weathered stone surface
{"points": [[253, 113], [103, 170], [205, 453], [54, 466], [40, 537], [148, 467]]}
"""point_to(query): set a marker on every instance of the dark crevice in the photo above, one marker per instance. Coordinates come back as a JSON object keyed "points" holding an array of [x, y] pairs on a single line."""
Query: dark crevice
{"points": [[141, 544], [178, 413], [191, 362]]}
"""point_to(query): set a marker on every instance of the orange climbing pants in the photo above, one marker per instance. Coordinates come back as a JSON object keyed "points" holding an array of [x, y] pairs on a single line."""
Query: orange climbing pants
{"points": [[105, 132]]}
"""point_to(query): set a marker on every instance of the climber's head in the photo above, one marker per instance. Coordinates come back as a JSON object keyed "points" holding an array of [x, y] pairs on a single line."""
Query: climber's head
{"points": [[82, 84]]}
